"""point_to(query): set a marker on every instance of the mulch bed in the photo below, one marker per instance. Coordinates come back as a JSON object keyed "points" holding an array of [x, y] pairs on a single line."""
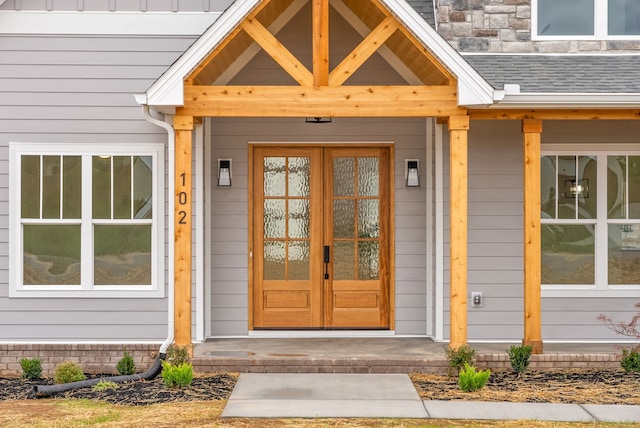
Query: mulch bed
{"points": [[565, 386], [139, 393], [548, 386]]}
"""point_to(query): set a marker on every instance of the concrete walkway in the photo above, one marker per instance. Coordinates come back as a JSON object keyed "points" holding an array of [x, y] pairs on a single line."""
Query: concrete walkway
{"points": [[332, 395]]}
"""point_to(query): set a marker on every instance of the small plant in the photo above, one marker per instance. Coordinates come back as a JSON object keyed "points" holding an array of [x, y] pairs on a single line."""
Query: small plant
{"points": [[104, 385], [519, 357], [630, 360], [177, 376], [67, 372], [177, 355], [458, 357], [31, 368], [126, 366], [470, 379]]}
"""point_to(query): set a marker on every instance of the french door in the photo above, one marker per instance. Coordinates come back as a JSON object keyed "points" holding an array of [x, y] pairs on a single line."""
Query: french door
{"points": [[321, 232]]}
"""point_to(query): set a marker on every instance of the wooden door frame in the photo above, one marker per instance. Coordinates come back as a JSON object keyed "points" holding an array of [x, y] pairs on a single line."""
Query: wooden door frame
{"points": [[251, 184]]}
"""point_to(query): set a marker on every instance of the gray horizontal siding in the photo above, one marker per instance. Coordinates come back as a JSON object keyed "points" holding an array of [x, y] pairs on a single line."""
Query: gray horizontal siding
{"points": [[62, 89], [229, 261], [495, 250], [119, 5]]}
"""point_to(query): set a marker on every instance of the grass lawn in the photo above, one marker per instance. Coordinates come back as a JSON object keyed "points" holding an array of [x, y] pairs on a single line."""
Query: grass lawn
{"points": [[86, 413]]}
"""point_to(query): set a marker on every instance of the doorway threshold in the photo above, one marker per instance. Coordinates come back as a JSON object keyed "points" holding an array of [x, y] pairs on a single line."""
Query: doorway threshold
{"points": [[320, 333]]}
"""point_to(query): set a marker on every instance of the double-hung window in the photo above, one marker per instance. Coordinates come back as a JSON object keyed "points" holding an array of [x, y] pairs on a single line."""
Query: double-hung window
{"points": [[585, 19], [86, 220], [590, 210]]}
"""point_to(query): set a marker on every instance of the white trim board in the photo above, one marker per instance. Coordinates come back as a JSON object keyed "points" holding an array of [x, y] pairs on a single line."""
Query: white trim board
{"points": [[106, 23]]}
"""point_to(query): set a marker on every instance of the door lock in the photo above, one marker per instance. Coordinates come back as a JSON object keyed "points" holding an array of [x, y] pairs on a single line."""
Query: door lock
{"points": [[327, 259]]}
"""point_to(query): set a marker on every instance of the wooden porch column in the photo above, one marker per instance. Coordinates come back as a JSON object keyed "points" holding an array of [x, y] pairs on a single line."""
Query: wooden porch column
{"points": [[458, 132], [532, 128], [183, 126]]}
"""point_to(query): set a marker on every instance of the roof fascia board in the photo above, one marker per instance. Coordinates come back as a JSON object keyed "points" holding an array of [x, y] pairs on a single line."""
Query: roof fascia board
{"points": [[473, 89], [569, 100], [168, 89], [106, 23]]}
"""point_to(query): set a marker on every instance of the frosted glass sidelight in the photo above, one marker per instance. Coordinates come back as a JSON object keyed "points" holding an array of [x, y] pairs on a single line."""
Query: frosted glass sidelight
{"points": [[298, 260], [274, 260], [368, 177], [368, 218], [299, 174], [344, 260], [275, 176], [343, 176], [274, 218], [344, 218], [299, 218], [368, 260]]}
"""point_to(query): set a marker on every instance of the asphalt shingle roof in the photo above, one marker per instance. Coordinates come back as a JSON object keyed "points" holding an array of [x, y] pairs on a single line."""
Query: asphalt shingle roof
{"points": [[561, 73], [424, 8]]}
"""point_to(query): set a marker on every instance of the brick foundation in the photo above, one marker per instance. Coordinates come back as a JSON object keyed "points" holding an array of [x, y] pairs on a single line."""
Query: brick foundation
{"points": [[380, 365], [93, 358]]}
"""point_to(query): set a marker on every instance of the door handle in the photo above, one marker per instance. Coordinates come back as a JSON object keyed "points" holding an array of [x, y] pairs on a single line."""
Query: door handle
{"points": [[327, 260]]}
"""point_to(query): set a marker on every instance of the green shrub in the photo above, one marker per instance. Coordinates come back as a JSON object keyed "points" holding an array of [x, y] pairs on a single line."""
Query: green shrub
{"points": [[126, 366], [520, 357], [104, 385], [630, 360], [470, 379], [177, 376], [458, 357], [177, 355], [67, 372], [31, 368]]}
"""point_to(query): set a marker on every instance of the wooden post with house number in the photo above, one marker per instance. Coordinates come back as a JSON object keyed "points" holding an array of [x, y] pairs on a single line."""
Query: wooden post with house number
{"points": [[183, 126]]}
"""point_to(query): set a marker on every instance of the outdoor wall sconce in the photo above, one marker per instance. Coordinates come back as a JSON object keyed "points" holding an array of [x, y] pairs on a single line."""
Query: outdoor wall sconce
{"points": [[317, 119], [411, 172], [224, 172], [573, 188]]}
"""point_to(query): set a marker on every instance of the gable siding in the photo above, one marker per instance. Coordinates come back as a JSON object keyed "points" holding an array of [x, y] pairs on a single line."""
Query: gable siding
{"points": [[56, 89]]}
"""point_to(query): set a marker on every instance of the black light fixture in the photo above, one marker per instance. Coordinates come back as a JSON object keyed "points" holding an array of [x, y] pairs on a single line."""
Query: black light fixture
{"points": [[224, 172], [412, 173], [573, 188], [317, 119]]}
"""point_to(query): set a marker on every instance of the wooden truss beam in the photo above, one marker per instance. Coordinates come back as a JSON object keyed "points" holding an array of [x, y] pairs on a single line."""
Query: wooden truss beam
{"points": [[296, 101], [278, 52], [320, 23], [363, 51]]}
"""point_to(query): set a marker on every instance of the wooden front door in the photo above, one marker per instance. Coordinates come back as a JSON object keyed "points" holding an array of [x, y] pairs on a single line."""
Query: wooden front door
{"points": [[321, 219]]}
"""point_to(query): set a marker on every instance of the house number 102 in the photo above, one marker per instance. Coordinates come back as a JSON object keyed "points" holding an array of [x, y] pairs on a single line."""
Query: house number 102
{"points": [[182, 201]]}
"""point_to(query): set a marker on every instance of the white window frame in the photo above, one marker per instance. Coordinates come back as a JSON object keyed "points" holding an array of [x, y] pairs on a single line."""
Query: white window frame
{"points": [[601, 288], [601, 31], [86, 289]]}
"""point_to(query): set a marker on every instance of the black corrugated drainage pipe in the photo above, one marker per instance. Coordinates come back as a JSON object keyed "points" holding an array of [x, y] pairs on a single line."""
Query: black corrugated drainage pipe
{"points": [[40, 391]]}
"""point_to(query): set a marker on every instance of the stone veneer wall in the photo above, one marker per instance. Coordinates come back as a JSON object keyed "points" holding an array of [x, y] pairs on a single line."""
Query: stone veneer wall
{"points": [[94, 359], [504, 26]]}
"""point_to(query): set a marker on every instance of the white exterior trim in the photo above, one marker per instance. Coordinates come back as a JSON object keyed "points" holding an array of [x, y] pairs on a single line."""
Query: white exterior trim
{"points": [[568, 100], [106, 23], [439, 248], [199, 265]]}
